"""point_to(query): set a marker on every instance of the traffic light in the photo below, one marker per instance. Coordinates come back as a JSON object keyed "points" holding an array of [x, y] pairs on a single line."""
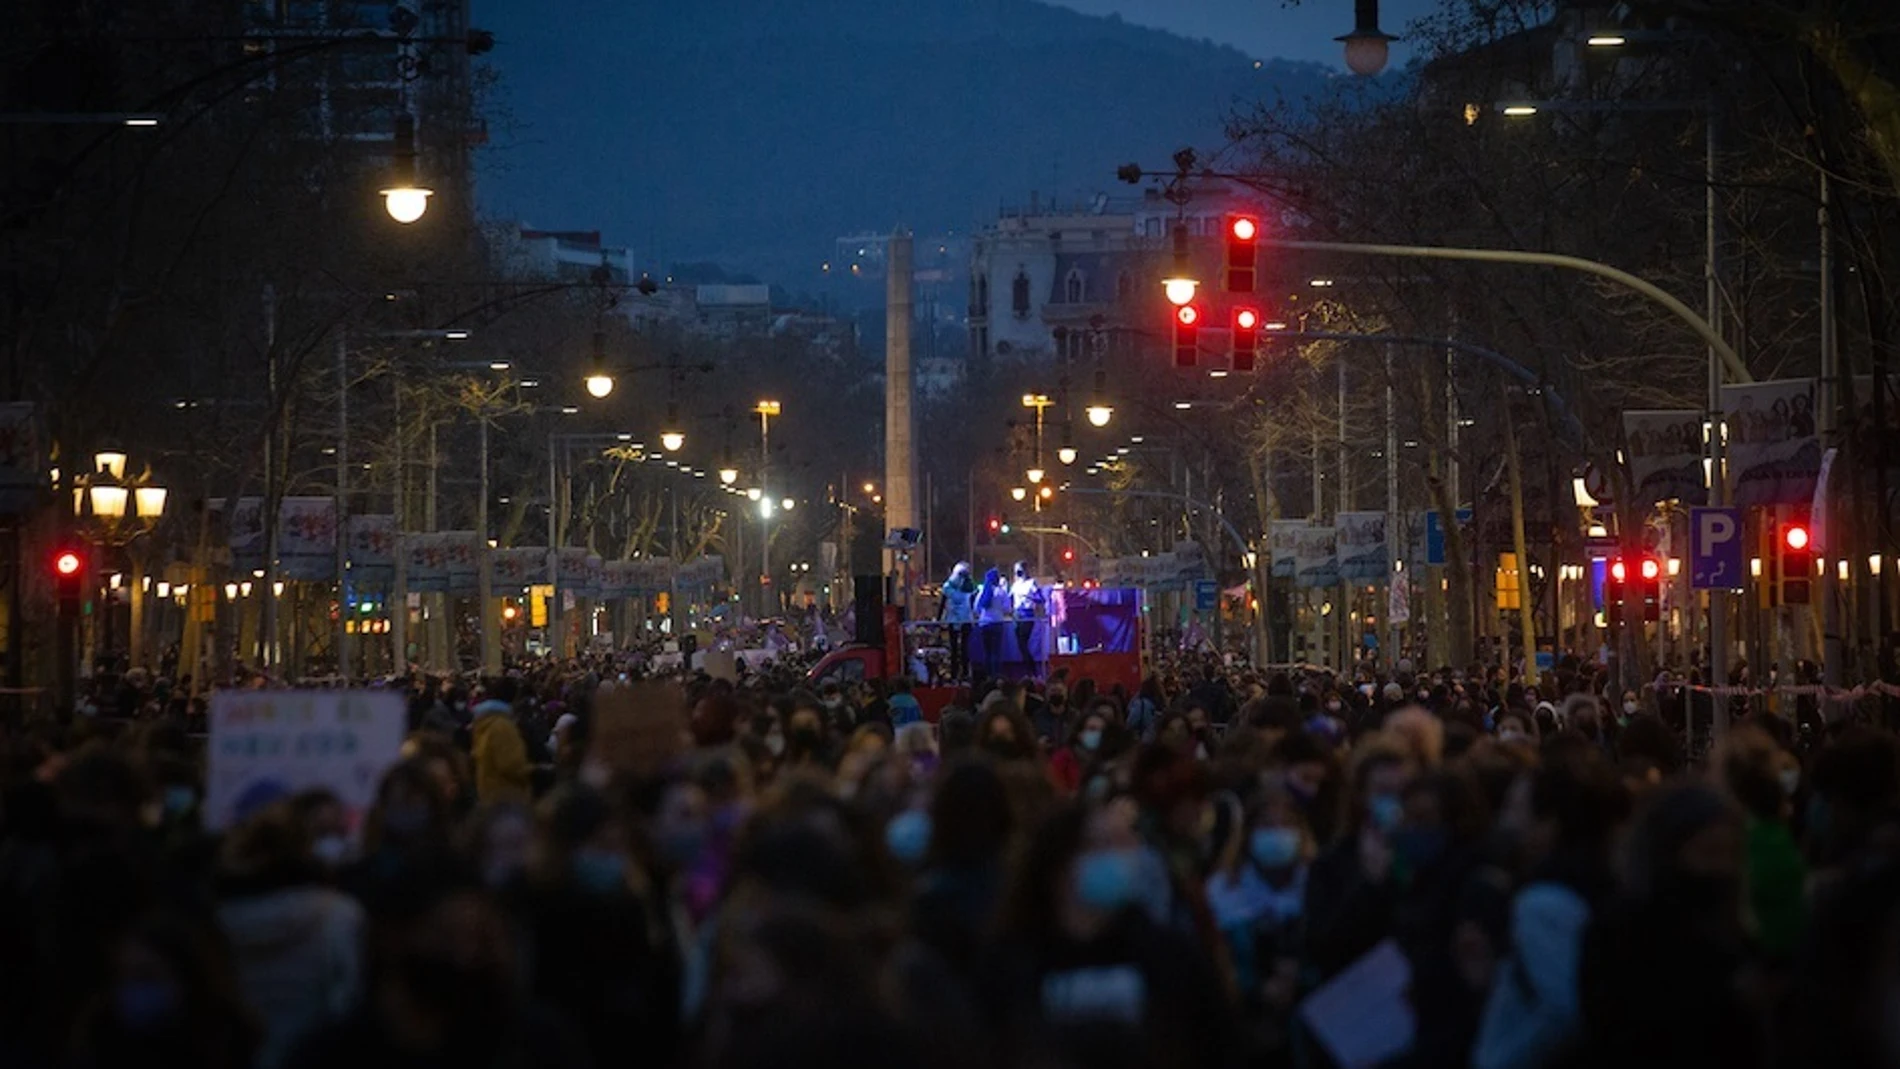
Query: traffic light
{"points": [[996, 526], [1246, 337], [1187, 335], [1651, 588], [1068, 554], [1243, 249], [1615, 578], [69, 573], [1797, 562]]}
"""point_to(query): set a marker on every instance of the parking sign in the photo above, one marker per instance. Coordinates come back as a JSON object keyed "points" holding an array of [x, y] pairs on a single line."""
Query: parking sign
{"points": [[1715, 542]]}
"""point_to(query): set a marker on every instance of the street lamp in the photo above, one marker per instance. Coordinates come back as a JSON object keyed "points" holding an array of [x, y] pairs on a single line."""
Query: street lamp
{"points": [[403, 198], [1018, 492], [1180, 289], [672, 438], [1367, 46], [1035, 475], [753, 493], [1099, 410], [1066, 451], [728, 475], [787, 504]]}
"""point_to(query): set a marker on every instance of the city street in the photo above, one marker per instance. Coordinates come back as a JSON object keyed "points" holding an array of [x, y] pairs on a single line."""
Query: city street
{"points": [[1033, 533]]}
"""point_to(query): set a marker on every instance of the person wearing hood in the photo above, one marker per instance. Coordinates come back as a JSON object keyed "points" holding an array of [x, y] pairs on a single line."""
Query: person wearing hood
{"points": [[502, 772], [957, 610], [295, 943], [993, 618]]}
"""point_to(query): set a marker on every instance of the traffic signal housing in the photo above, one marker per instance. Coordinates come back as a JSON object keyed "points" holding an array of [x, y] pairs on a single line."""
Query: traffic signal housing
{"points": [[1615, 580], [1650, 585], [1187, 335], [69, 574], [1246, 338], [1794, 547], [1243, 252]]}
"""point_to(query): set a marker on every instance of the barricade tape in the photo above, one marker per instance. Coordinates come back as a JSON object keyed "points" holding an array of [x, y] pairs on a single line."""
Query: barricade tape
{"points": [[1822, 692]]}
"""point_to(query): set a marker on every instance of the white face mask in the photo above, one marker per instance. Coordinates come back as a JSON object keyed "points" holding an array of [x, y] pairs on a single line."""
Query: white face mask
{"points": [[775, 743], [1511, 735], [1790, 781], [1629, 708]]}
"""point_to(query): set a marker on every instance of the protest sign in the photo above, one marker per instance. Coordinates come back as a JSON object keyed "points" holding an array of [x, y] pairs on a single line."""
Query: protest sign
{"points": [[266, 745]]}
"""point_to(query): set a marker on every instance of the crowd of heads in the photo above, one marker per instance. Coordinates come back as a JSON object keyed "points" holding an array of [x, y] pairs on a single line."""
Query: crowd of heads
{"points": [[585, 863]]}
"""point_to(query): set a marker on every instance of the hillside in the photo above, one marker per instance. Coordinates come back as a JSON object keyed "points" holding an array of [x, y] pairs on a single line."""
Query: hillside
{"points": [[754, 132]]}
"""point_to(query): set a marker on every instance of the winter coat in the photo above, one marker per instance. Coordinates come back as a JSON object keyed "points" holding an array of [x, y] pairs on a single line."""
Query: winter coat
{"points": [[298, 954], [502, 773]]}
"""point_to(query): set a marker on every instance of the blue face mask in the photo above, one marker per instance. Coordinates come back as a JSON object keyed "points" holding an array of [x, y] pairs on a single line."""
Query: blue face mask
{"points": [[1106, 879], [600, 871], [908, 836], [145, 1004], [1273, 848], [179, 799], [1386, 811], [1420, 847], [1092, 739]]}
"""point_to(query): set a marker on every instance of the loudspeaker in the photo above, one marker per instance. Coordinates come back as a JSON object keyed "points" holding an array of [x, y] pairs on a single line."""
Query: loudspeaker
{"points": [[868, 607]]}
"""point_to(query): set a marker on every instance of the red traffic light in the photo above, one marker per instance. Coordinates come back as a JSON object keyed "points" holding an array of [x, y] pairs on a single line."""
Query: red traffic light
{"points": [[1243, 252], [1617, 571], [1795, 537], [1187, 315], [1187, 335], [1246, 318], [995, 525], [1651, 568], [68, 562], [1068, 556]]}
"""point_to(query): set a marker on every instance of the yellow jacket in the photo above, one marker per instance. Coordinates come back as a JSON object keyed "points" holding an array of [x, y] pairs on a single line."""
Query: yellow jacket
{"points": [[501, 758]]}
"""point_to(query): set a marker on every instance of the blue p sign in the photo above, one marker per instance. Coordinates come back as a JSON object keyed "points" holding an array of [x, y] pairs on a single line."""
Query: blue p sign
{"points": [[1715, 538]]}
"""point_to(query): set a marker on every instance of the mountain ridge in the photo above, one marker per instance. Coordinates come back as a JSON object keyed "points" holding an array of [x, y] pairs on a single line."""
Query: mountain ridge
{"points": [[755, 132]]}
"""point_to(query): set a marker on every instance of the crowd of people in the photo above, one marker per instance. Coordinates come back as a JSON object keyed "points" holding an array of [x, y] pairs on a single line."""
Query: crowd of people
{"points": [[573, 865]]}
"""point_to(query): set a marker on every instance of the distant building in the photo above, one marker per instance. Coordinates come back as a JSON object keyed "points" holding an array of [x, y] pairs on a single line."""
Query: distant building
{"points": [[733, 309], [1047, 282], [572, 255]]}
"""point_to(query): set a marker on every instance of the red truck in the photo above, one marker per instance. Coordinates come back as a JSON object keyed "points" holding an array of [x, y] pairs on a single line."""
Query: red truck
{"points": [[1089, 634]]}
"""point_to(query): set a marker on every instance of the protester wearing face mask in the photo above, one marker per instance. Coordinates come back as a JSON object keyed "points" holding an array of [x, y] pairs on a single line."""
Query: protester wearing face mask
{"points": [[1448, 898], [1005, 734], [1515, 727], [1755, 772], [1352, 891], [1085, 749], [295, 942], [1662, 976], [1257, 895], [1091, 978], [407, 831], [596, 927], [445, 994], [169, 998]]}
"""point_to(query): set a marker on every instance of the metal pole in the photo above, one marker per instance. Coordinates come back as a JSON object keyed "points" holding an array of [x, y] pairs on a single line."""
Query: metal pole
{"points": [[399, 597], [1042, 565], [1527, 618], [342, 504], [270, 657], [484, 571], [1718, 468], [765, 515], [1392, 574], [1736, 368], [1834, 522], [554, 557]]}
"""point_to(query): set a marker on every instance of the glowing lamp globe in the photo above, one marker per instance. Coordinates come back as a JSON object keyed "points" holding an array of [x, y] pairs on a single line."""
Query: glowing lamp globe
{"points": [[1179, 290], [599, 386], [1066, 454], [728, 475], [406, 204], [1035, 474], [1018, 492], [672, 441], [1099, 415]]}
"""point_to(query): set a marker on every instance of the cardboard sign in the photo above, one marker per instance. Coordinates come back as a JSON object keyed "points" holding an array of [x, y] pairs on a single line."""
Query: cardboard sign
{"points": [[266, 745]]}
